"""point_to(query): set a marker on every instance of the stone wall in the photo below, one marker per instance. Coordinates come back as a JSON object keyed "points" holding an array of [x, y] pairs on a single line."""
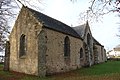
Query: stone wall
{"points": [[99, 53], [103, 54], [42, 48], [95, 54], [90, 46], [7, 56], [45, 48], [55, 52], [25, 24]]}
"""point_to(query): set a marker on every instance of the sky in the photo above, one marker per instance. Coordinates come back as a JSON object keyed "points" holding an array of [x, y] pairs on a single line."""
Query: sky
{"points": [[68, 12]]}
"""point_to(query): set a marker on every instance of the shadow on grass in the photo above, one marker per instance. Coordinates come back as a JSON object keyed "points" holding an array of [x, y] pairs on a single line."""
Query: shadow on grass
{"points": [[105, 71]]}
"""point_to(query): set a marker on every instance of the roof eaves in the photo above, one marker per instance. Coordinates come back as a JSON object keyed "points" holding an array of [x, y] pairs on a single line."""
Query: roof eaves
{"points": [[46, 26], [54, 24]]}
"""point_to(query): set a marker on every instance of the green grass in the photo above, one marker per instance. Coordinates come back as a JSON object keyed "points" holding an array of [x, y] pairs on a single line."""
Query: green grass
{"points": [[1, 64], [109, 67], [105, 71]]}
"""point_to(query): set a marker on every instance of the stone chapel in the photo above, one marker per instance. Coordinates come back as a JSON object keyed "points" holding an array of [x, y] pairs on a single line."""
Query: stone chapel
{"points": [[40, 45]]}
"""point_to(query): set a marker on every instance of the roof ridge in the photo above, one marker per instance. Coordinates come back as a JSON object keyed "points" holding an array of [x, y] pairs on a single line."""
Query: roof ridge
{"points": [[54, 24], [47, 16]]}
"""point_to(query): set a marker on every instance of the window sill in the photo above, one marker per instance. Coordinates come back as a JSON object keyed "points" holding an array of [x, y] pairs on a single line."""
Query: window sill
{"points": [[81, 58], [23, 57]]}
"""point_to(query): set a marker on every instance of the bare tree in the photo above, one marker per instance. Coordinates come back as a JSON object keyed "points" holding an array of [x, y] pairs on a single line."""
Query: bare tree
{"points": [[6, 7], [6, 13], [99, 8], [30, 3]]}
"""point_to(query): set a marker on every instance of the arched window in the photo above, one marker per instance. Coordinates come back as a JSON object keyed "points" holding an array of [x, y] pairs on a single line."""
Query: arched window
{"points": [[66, 47], [22, 45], [88, 39], [81, 53]]}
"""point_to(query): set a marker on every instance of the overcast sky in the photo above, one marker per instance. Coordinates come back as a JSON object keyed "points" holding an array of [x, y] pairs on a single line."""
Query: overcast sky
{"points": [[68, 12]]}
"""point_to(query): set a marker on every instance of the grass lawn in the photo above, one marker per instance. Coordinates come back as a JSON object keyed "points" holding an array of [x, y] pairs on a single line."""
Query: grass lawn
{"points": [[105, 71]]}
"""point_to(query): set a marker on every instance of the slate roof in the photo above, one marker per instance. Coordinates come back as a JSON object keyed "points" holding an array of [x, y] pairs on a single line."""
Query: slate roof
{"points": [[80, 30], [54, 24], [96, 42]]}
